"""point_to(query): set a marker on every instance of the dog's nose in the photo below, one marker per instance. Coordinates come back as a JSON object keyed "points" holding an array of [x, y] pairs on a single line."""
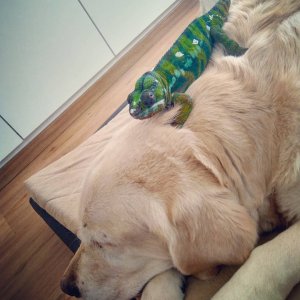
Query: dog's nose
{"points": [[69, 287]]}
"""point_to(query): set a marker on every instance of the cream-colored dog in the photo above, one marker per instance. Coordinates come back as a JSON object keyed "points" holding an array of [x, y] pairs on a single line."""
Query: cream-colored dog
{"points": [[194, 199]]}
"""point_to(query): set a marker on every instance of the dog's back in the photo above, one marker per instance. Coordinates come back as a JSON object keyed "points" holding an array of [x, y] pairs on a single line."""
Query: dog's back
{"points": [[254, 109]]}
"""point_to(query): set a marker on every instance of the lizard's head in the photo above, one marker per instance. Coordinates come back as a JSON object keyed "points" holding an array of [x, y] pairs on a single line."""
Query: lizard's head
{"points": [[149, 97]]}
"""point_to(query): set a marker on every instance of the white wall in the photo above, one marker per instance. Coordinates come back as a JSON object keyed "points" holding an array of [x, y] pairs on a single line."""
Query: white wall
{"points": [[121, 21], [9, 139], [49, 49]]}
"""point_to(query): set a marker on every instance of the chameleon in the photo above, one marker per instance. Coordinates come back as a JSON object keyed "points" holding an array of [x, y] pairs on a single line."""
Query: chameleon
{"points": [[183, 63]]}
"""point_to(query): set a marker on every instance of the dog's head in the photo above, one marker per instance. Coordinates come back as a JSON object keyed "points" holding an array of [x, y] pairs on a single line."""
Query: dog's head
{"points": [[119, 253], [151, 202]]}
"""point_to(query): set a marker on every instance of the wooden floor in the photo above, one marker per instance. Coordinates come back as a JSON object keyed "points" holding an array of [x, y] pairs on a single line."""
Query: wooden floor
{"points": [[32, 258]]}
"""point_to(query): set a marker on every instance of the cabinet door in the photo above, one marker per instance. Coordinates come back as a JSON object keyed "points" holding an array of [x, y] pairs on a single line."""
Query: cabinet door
{"points": [[120, 21], [49, 49], [9, 140]]}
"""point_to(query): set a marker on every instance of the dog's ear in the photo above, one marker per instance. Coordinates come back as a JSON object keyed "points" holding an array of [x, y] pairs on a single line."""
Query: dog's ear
{"points": [[209, 232]]}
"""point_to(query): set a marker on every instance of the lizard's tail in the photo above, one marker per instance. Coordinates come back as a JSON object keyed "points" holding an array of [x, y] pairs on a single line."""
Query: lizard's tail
{"points": [[275, 13]]}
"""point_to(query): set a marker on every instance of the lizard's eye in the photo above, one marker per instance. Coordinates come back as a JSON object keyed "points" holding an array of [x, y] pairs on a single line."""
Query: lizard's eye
{"points": [[151, 95], [148, 98]]}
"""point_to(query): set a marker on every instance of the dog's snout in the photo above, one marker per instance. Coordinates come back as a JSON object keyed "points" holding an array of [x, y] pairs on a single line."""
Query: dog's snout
{"points": [[69, 287]]}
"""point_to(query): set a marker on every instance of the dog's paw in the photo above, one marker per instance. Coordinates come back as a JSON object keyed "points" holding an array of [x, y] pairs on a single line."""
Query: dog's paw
{"points": [[165, 286]]}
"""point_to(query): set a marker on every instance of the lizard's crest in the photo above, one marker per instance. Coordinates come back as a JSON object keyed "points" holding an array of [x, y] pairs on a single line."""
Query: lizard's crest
{"points": [[149, 97]]}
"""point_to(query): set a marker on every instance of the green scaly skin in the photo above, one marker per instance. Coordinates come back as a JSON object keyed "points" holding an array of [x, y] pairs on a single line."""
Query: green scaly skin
{"points": [[185, 61]]}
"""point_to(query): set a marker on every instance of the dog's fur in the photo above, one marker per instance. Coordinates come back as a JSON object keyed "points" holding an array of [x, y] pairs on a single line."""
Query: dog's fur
{"points": [[158, 197]]}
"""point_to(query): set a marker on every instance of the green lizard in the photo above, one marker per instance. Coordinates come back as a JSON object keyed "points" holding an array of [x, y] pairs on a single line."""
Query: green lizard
{"points": [[164, 86]]}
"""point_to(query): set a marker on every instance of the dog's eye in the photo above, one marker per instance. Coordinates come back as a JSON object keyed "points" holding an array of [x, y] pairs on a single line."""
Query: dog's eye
{"points": [[97, 244]]}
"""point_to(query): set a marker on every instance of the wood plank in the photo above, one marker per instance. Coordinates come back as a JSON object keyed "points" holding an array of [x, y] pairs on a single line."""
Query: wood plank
{"points": [[24, 257], [124, 61], [6, 233], [44, 268]]}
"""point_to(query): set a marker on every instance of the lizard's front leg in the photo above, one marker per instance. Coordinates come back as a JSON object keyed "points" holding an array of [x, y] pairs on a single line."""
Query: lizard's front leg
{"points": [[231, 46], [186, 103]]}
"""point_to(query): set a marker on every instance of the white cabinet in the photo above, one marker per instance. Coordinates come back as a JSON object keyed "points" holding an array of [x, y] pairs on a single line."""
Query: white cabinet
{"points": [[49, 49], [9, 140], [120, 21]]}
